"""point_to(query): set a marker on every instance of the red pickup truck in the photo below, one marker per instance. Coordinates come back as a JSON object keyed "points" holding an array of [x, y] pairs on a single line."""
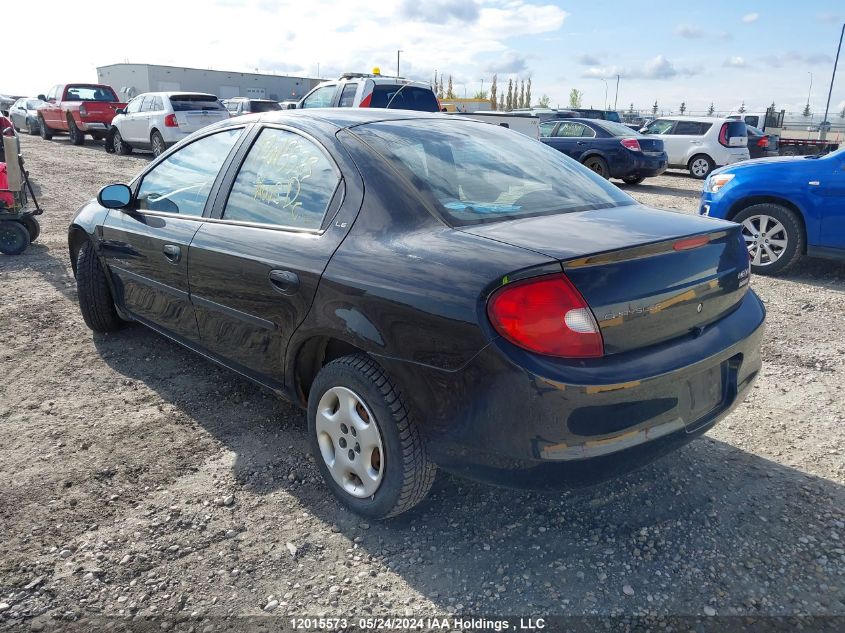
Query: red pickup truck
{"points": [[77, 110]]}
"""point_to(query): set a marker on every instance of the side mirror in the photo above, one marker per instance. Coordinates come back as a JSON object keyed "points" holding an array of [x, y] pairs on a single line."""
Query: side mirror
{"points": [[120, 111], [114, 196], [42, 97]]}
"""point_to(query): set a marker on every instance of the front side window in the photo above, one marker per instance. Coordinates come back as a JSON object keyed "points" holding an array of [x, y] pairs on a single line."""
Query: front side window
{"points": [[476, 173], [134, 105], [181, 182], [285, 180], [147, 103], [660, 126], [320, 98], [547, 127]]}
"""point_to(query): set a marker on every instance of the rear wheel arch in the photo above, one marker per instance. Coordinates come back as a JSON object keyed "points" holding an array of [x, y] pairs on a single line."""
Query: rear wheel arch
{"points": [[782, 202], [312, 355]]}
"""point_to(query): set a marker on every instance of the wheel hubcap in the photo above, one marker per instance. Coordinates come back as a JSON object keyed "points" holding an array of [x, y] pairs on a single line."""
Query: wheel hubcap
{"points": [[765, 238], [699, 167], [350, 442]]}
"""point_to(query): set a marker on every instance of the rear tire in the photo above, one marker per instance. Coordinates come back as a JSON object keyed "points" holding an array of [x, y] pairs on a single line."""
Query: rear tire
{"points": [[398, 473], [14, 237], [598, 165], [95, 299], [157, 143], [44, 130], [77, 137], [774, 236], [633, 180], [124, 149], [700, 166], [32, 227], [32, 126]]}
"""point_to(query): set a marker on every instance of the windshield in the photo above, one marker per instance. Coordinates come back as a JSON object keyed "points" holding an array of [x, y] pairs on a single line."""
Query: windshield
{"points": [[477, 173], [90, 93], [617, 129], [186, 103], [32, 104]]}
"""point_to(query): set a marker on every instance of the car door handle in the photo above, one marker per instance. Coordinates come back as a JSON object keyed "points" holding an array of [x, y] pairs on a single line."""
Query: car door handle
{"points": [[284, 281], [581, 143], [172, 252]]}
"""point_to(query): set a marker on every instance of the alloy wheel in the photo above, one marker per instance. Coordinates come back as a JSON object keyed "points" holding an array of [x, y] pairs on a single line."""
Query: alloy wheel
{"points": [[766, 239], [700, 167], [350, 442]]}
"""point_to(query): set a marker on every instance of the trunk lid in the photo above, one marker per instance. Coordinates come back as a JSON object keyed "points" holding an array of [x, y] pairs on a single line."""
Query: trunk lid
{"points": [[650, 145], [644, 277]]}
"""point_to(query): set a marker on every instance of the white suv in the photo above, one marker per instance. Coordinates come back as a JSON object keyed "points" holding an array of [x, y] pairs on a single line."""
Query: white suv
{"points": [[157, 120], [358, 90], [700, 144]]}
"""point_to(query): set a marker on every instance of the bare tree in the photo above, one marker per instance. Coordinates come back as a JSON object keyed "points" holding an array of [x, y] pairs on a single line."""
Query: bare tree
{"points": [[509, 100], [493, 88]]}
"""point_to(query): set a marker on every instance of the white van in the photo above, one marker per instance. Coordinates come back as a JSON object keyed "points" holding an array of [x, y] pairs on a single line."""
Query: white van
{"points": [[700, 144]]}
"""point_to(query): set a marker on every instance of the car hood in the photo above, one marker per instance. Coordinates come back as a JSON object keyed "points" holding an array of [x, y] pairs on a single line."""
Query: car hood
{"points": [[775, 162]]}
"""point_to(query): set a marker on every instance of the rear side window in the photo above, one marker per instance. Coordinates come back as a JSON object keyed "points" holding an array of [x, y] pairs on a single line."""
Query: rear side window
{"points": [[320, 98], [187, 103], [182, 181], [285, 180], [691, 128], [574, 130], [476, 173], [347, 97], [404, 97]]}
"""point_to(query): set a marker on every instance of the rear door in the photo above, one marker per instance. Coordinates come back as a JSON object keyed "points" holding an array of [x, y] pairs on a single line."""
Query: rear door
{"points": [[255, 266], [687, 139], [662, 128], [146, 248], [569, 138]]}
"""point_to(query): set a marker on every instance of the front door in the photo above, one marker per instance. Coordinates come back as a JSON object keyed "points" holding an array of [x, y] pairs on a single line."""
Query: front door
{"points": [[130, 123], [255, 265], [146, 246], [830, 194]]}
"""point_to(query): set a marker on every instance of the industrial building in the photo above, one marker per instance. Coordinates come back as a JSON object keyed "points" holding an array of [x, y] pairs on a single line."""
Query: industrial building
{"points": [[130, 80]]}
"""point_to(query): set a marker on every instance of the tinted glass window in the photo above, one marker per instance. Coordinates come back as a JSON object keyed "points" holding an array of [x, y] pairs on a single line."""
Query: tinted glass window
{"points": [[264, 106], [547, 127], [90, 93], [320, 98], [736, 129], [613, 116], [573, 130], [347, 97], [187, 103], [404, 98], [181, 182], [752, 120], [690, 128], [660, 126], [285, 180], [476, 173]]}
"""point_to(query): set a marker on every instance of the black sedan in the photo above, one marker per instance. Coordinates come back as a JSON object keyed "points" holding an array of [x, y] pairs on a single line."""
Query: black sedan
{"points": [[432, 290], [610, 149], [760, 144]]}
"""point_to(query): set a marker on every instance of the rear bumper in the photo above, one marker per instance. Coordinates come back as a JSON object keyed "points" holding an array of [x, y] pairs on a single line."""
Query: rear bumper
{"points": [[93, 126], [519, 420], [640, 165], [731, 157]]}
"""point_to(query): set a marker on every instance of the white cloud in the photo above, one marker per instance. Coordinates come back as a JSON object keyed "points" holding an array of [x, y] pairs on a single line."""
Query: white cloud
{"points": [[750, 18], [690, 32], [735, 62], [657, 68]]}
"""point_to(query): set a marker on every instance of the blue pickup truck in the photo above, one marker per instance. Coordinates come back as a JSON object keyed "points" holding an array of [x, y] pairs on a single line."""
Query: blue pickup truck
{"points": [[788, 207]]}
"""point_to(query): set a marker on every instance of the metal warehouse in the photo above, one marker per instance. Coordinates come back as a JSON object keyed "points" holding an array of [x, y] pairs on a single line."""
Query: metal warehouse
{"points": [[130, 80]]}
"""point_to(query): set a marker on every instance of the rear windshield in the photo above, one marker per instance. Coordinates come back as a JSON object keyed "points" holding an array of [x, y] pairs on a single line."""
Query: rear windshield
{"points": [[613, 116], [90, 93], [617, 129], [404, 97], [477, 173], [737, 128], [186, 103], [264, 106]]}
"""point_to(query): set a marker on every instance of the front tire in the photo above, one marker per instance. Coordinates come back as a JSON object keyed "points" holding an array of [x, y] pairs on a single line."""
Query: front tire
{"points": [[44, 130], [157, 143], [14, 238], [700, 166], [774, 236], [77, 136], [95, 298], [364, 440], [598, 165]]}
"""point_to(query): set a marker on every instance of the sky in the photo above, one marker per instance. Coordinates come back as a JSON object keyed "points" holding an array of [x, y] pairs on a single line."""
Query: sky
{"points": [[724, 52]]}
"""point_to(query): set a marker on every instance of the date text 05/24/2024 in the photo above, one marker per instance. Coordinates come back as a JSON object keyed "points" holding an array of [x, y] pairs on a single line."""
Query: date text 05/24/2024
{"points": [[419, 624]]}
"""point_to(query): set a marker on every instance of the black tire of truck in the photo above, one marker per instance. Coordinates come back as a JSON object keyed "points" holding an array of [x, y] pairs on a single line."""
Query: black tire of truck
{"points": [[77, 136]]}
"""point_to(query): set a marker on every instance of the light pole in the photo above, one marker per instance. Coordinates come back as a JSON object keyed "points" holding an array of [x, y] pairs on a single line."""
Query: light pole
{"points": [[827, 105], [605, 92], [397, 62], [811, 87], [616, 98], [482, 88]]}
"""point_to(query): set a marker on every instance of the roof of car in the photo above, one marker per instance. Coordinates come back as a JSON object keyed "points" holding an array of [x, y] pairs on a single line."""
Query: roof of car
{"points": [[695, 119]]}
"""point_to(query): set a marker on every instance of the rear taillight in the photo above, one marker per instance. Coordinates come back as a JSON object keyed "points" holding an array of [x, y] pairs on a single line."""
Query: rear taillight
{"points": [[170, 121], [632, 144], [723, 135], [691, 242], [763, 142], [83, 110], [546, 315]]}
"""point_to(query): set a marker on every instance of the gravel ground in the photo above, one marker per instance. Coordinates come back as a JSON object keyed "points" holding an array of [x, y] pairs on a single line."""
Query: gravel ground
{"points": [[140, 483]]}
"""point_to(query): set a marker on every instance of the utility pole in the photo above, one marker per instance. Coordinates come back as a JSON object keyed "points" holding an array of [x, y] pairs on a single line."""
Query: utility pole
{"points": [[824, 126], [810, 91], [616, 98], [605, 92], [397, 62], [482, 85]]}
